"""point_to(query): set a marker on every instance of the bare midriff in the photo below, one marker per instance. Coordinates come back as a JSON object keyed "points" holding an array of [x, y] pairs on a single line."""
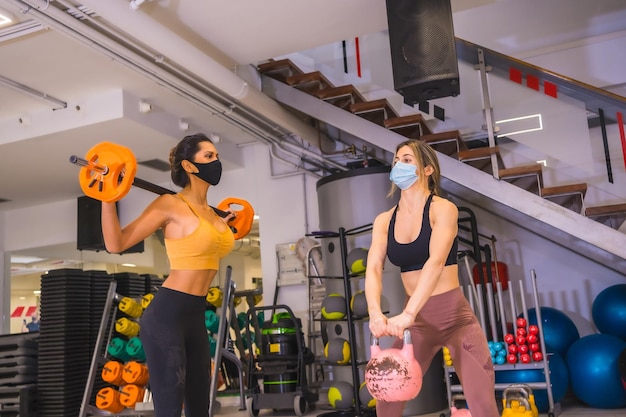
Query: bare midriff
{"points": [[194, 282], [448, 280]]}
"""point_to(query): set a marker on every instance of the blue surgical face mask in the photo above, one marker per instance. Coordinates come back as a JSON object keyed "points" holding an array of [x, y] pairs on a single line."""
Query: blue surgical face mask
{"points": [[403, 175]]}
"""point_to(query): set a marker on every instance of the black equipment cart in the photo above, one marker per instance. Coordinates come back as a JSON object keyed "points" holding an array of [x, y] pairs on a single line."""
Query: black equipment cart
{"points": [[277, 372]]}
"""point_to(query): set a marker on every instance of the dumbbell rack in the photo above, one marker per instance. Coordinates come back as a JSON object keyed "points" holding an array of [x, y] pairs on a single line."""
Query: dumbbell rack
{"points": [[541, 365], [105, 333]]}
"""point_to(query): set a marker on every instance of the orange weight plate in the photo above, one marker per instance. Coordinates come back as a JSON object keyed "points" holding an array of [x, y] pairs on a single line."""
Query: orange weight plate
{"points": [[112, 373], [108, 399], [244, 215], [116, 183], [131, 395]]}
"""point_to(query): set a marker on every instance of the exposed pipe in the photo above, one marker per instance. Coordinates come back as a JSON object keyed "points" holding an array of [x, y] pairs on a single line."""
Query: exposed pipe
{"points": [[73, 28], [175, 49], [141, 26], [20, 29], [21, 88], [309, 153], [296, 166], [305, 206]]}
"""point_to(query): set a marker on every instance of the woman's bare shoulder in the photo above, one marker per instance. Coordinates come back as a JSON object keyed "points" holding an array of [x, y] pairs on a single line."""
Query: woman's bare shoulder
{"points": [[441, 205], [166, 203]]}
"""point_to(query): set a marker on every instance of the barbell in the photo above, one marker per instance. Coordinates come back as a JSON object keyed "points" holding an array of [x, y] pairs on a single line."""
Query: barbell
{"points": [[108, 171]]}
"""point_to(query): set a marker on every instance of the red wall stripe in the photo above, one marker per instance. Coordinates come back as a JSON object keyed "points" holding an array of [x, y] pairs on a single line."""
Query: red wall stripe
{"points": [[620, 124], [18, 311], [515, 75], [532, 82], [31, 311], [358, 57], [550, 89]]}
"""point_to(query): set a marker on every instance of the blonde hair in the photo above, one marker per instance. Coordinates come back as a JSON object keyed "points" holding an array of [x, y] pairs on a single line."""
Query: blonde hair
{"points": [[425, 156]]}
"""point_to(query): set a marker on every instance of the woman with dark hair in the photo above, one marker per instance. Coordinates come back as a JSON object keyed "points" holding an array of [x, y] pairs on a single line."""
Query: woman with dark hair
{"points": [[419, 235], [173, 332]]}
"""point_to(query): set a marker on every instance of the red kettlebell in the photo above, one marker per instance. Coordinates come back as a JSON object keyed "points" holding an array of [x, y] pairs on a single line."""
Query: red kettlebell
{"points": [[393, 374]]}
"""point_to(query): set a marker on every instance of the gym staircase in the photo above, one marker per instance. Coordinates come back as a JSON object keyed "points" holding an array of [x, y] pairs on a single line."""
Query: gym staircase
{"points": [[414, 126], [383, 116]]}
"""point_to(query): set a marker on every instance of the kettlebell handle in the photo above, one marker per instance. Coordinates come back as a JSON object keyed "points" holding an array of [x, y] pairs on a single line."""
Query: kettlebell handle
{"points": [[522, 400], [406, 338]]}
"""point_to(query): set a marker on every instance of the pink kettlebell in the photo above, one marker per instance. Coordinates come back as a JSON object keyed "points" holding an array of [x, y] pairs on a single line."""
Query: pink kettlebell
{"points": [[393, 374], [459, 412]]}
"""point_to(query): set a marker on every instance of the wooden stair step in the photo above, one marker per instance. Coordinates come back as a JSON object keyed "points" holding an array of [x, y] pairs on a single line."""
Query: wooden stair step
{"points": [[311, 82], [342, 96], [520, 171], [280, 69], [341, 91], [475, 154], [410, 121], [374, 106], [607, 210], [527, 177], [443, 137], [561, 190]]}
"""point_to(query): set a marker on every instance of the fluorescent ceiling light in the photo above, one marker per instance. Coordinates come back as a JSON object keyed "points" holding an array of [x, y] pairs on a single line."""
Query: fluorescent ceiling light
{"points": [[6, 18], [129, 265], [25, 259]]}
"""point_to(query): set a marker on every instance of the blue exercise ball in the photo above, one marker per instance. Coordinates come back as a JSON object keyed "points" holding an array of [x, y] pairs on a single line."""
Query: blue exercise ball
{"points": [[559, 378], [609, 311], [594, 370], [559, 331]]}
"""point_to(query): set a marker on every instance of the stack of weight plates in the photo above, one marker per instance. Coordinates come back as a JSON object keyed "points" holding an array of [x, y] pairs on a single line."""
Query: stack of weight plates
{"points": [[130, 284], [153, 283], [64, 341]]}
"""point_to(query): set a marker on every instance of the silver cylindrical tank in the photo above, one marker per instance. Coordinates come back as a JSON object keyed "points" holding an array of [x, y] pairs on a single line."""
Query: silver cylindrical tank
{"points": [[351, 200]]}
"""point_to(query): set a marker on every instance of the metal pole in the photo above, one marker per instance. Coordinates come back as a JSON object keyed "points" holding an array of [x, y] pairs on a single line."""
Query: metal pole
{"points": [[483, 68]]}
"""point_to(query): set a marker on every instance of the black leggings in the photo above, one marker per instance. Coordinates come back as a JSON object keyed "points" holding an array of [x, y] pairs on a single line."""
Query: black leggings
{"points": [[176, 343], [447, 320]]}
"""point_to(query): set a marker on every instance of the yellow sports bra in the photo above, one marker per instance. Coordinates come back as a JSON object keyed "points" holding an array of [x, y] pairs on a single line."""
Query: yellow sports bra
{"points": [[202, 248]]}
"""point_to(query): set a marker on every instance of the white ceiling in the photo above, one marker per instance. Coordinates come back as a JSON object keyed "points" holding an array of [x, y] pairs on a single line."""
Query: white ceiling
{"points": [[36, 139]]}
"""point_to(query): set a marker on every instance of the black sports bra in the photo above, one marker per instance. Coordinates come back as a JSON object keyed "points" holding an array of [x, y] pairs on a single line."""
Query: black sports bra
{"points": [[413, 255]]}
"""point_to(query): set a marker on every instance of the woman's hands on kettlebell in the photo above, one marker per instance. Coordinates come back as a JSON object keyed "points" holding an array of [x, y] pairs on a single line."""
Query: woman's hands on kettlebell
{"points": [[397, 324], [378, 324]]}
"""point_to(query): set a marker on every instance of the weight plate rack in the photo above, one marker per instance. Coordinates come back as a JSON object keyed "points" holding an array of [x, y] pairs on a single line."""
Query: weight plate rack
{"points": [[110, 291]]}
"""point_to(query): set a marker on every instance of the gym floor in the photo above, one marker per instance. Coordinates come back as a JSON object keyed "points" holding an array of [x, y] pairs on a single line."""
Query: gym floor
{"points": [[569, 408]]}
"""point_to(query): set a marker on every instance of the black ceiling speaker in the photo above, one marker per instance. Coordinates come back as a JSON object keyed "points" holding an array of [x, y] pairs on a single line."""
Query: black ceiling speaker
{"points": [[423, 53]]}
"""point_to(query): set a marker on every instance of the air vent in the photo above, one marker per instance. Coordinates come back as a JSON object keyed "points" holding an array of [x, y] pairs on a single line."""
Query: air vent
{"points": [[81, 12], [158, 164]]}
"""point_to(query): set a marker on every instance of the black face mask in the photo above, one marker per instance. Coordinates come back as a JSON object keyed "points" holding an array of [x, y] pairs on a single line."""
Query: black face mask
{"points": [[210, 172]]}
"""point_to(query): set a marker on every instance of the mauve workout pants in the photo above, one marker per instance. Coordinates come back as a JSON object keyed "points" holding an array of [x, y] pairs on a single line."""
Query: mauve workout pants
{"points": [[176, 344], [448, 320]]}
